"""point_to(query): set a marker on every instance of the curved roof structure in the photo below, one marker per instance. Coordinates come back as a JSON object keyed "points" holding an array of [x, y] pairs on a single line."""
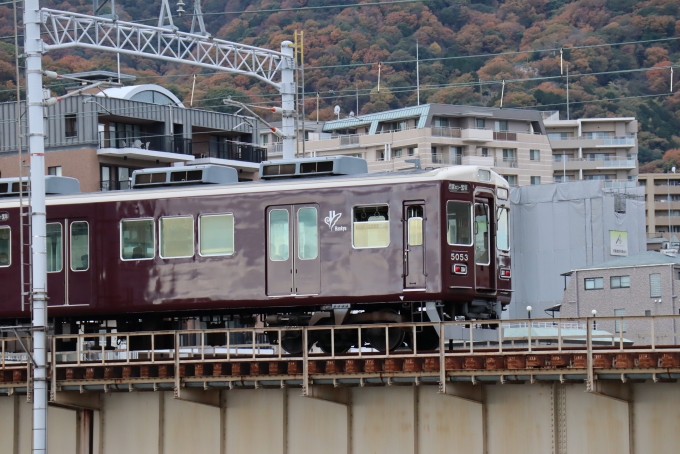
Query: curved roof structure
{"points": [[151, 93]]}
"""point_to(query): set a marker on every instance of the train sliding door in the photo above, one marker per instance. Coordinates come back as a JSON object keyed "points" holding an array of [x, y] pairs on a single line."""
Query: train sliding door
{"points": [[414, 245], [485, 256], [69, 271], [293, 265]]}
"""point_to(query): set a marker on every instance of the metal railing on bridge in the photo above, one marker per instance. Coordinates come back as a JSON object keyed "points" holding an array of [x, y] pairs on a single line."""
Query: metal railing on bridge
{"points": [[548, 349]]}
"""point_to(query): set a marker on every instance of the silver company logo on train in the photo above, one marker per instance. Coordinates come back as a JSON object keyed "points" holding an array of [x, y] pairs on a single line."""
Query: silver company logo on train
{"points": [[4, 216], [332, 219]]}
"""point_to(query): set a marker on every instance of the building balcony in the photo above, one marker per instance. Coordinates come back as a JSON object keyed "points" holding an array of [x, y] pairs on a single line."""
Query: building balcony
{"points": [[477, 135], [571, 142], [441, 131], [596, 163], [619, 184], [145, 147], [114, 185], [506, 162], [505, 136], [235, 151], [487, 161]]}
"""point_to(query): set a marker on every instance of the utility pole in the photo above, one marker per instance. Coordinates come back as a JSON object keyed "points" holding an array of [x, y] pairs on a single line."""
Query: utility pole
{"points": [[36, 148], [567, 91], [417, 74]]}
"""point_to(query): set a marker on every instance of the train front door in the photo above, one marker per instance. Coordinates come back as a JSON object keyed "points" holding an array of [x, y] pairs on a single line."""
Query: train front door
{"points": [[485, 252], [69, 270], [293, 265], [414, 245]]}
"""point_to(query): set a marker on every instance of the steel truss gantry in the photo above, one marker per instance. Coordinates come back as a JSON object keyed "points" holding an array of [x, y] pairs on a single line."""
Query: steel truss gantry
{"points": [[65, 30]]}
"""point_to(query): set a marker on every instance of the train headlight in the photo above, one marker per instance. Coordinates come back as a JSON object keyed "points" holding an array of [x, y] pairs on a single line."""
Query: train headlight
{"points": [[483, 175], [502, 193]]}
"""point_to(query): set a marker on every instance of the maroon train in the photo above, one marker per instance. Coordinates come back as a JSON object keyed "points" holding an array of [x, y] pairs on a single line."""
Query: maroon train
{"points": [[290, 251]]}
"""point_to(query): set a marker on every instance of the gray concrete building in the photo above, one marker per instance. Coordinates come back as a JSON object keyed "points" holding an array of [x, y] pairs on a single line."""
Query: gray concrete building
{"points": [[101, 137], [556, 228], [643, 284]]}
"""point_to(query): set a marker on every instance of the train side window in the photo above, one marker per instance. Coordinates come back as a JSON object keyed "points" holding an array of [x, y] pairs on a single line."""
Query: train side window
{"points": [[137, 239], [215, 234], [54, 243], [80, 246], [503, 231], [371, 226], [458, 221], [279, 235], [308, 233], [415, 225], [176, 237], [5, 245]]}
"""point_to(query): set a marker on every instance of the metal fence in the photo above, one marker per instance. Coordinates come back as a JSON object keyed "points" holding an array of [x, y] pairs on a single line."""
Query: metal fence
{"points": [[236, 151], [143, 141]]}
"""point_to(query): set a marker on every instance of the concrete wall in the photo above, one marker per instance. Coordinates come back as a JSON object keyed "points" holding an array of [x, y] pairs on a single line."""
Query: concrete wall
{"points": [[522, 419]]}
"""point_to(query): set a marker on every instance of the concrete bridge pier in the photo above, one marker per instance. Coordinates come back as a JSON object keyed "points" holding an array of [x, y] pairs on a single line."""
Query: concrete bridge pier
{"points": [[519, 418]]}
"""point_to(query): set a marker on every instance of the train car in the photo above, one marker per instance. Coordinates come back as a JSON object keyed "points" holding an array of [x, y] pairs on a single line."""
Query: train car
{"points": [[315, 241]]}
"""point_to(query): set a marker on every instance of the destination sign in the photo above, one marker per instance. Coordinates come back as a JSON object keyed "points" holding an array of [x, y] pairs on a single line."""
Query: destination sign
{"points": [[459, 187]]}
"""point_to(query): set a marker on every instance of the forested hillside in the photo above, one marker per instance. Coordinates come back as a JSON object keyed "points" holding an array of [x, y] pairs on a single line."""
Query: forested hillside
{"points": [[619, 54]]}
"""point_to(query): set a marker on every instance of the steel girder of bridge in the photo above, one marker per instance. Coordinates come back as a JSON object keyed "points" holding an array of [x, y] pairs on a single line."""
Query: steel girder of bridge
{"points": [[63, 30]]}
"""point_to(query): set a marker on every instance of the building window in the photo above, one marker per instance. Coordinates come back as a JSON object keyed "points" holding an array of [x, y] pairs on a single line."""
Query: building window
{"points": [[620, 325], [619, 282], [70, 125], [535, 155], [412, 151], [396, 153], [655, 286], [648, 313], [441, 122], [535, 180], [501, 125], [511, 179], [485, 152], [54, 171], [370, 226], [481, 123], [594, 283], [508, 154], [264, 139]]}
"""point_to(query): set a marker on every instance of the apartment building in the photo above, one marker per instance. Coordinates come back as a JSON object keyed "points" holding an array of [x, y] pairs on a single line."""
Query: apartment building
{"points": [[594, 149], [102, 137], [662, 197], [511, 141]]}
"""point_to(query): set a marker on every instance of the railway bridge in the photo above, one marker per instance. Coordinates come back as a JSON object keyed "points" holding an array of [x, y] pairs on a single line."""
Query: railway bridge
{"points": [[540, 386]]}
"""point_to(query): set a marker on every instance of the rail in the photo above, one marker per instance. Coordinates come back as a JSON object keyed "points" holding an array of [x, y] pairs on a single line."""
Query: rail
{"points": [[143, 141], [584, 349]]}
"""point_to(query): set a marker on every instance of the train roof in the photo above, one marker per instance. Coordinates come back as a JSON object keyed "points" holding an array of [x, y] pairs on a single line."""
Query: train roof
{"points": [[454, 173]]}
